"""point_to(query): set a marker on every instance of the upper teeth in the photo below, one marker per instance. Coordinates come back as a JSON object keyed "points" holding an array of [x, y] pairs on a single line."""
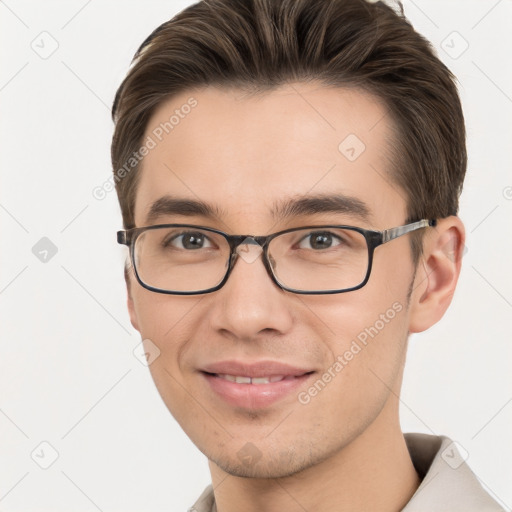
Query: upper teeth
{"points": [[251, 380]]}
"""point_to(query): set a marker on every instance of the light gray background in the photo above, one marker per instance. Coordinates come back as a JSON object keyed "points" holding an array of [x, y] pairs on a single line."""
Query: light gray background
{"points": [[68, 375]]}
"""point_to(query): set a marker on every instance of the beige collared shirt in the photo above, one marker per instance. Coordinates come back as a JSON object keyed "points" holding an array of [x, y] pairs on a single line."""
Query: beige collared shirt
{"points": [[448, 484]]}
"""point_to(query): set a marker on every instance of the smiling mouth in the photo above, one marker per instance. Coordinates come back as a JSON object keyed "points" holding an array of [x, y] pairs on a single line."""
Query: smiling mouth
{"points": [[242, 379], [256, 384]]}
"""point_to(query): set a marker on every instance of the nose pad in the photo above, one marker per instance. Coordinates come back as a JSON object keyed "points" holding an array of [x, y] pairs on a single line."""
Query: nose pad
{"points": [[249, 250]]}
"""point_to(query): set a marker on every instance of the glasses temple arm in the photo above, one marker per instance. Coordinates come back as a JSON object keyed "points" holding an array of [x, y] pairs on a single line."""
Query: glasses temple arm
{"points": [[392, 233]]}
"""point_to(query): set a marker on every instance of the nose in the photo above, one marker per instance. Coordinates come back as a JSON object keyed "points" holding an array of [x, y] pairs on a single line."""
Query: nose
{"points": [[250, 304]]}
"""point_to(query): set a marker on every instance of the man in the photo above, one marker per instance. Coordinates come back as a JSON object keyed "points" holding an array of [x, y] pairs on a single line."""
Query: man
{"points": [[288, 174]]}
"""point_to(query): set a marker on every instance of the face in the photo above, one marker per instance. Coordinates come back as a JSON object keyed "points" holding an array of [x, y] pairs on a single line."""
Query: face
{"points": [[341, 354]]}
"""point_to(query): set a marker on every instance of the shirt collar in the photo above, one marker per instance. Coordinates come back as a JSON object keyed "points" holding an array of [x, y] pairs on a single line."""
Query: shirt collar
{"points": [[447, 481]]}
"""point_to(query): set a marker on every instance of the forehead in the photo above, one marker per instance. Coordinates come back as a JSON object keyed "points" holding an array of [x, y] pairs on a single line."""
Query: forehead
{"points": [[244, 154]]}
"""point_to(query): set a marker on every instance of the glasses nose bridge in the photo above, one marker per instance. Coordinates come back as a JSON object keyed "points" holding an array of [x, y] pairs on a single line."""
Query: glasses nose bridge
{"points": [[236, 241]]}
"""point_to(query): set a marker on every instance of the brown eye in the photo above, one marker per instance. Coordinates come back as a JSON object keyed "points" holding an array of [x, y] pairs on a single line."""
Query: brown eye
{"points": [[190, 241], [319, 240]]}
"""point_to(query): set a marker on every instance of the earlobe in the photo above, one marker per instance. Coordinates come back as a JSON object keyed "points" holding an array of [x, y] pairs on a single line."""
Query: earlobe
{"points": [[437, 274], [128, 275]]}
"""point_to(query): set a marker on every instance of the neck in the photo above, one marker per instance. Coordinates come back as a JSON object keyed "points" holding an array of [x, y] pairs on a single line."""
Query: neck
{"points": [[373, 472]]}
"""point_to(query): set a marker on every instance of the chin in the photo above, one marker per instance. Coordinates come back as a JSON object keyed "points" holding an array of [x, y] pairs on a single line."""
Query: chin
{"points": [[273, 460], [264, 468]]}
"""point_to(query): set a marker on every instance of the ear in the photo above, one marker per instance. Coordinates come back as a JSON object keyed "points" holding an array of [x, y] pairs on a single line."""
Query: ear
{"points": [[437, 273], [128, 277]]}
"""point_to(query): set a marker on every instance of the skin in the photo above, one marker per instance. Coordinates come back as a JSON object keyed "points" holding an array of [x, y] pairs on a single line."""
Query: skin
{"points": [[344, 450]]}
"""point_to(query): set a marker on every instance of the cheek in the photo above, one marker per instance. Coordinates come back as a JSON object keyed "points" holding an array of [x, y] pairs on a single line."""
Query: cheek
{"points": [[169, 322], [368, 331], [372, 332], [363, 371], [160, 315]]}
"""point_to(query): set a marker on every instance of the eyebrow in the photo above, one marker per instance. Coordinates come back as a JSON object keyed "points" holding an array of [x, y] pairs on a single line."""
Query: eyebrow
{"points": [[168, 205], [311, 205], [284, 209]]}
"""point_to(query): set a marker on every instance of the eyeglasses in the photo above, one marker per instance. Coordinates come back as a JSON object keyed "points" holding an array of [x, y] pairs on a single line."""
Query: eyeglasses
{"points": [[183, 259]]}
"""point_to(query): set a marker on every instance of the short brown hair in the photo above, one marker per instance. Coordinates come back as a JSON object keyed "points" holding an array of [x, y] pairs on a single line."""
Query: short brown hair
{"points": [[257, 45]]}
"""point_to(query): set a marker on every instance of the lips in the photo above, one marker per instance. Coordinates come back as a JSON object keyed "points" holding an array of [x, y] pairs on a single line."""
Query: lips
{"points": [[255, 369], [240, 379], [254, 385]]}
